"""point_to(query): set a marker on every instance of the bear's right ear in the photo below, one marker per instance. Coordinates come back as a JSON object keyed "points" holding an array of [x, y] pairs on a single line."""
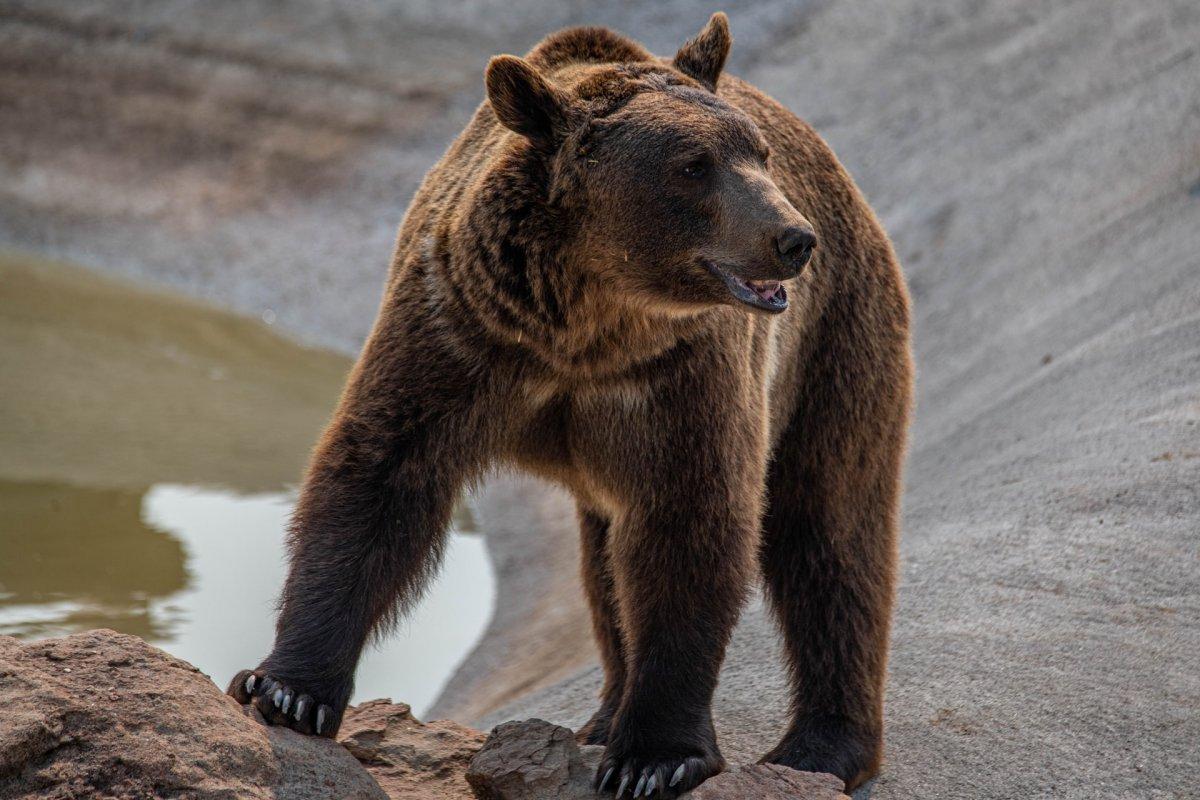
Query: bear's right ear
{"points": [[524, 101], [703, 57]]}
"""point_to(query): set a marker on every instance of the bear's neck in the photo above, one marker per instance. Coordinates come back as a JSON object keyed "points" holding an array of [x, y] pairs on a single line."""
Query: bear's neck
{"points": [[509, 272]]}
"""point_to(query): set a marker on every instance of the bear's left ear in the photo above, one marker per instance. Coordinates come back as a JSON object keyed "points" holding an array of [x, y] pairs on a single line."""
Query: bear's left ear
{"points": [[524, 101], [703, 57]]}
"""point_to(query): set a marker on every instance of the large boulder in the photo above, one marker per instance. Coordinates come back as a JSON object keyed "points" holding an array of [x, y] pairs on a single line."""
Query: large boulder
{"points": [[102, 714]]}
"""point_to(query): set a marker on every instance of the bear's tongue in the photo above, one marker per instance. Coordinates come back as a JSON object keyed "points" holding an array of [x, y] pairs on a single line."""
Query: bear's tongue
{"points": [[764, 289]]}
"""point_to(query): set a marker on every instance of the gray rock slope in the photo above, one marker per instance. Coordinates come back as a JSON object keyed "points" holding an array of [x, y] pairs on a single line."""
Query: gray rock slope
{"points": [[1038, 165]]}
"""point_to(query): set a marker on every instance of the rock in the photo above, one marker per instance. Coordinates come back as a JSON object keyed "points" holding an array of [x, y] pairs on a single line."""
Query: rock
{"points": [[770, 782], [102, 714], [317, 768], [537, 760], [407, 757], [105, 715], [533, 760]]}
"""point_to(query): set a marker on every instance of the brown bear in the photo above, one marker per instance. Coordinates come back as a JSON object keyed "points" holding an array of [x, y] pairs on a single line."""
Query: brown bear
{"points": [[613, 279]]}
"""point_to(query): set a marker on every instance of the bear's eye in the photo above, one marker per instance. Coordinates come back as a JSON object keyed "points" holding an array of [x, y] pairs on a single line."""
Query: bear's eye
{"points": [[695, 169]]}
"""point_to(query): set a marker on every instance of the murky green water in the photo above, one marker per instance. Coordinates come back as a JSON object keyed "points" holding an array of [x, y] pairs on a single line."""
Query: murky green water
{"points": [[148, 449]]}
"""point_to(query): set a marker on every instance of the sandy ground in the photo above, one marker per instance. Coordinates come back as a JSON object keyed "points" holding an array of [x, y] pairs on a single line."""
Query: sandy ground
{"points": [[1038, 165]]}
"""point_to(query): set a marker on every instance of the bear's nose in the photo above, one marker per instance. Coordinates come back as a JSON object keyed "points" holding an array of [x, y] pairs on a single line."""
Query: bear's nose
{"points": [[795, 244]]}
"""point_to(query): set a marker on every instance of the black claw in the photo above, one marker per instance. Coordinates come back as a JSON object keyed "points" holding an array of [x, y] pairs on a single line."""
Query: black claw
{"points": [[604, 782], [678, 776], [624, 782]]}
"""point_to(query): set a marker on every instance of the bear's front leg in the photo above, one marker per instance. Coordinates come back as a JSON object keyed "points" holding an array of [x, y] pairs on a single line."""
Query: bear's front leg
{"points": [[413, 426], [682, 565]]}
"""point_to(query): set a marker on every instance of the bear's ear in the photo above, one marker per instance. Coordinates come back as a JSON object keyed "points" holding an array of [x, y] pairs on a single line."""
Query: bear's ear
{"points": [[703, 57], [524, 101]]}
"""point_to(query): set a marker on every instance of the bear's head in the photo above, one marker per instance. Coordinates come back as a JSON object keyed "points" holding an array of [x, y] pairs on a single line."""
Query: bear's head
{"points": [[665, 184]]}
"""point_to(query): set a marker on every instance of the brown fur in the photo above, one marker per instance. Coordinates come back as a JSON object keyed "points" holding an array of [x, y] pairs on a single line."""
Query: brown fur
{"points": [[545, 310]]}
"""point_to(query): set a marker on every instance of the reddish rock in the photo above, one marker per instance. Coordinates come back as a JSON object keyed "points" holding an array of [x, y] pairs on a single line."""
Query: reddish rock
{"points": [[410, 758], [769, 782], [105, 715]]}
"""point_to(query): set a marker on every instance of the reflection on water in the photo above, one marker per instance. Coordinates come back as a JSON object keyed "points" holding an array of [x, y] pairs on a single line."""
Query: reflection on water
{"points": [[73, 559], [146, 445], [196, 571]]}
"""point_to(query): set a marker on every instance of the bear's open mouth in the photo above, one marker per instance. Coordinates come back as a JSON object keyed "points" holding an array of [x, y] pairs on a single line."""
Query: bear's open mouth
{"points": [[765, 295]]}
